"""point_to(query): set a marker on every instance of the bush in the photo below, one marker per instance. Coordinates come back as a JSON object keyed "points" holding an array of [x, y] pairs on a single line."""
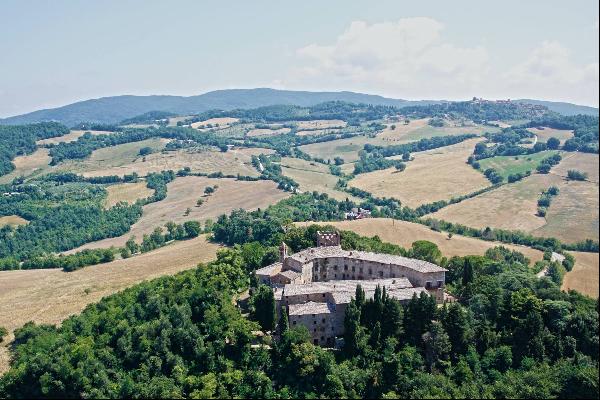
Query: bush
{"points": [[575, 175], [3, 333]]}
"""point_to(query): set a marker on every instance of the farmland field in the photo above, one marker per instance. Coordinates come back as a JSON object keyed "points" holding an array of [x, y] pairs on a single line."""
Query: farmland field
{"points": [[12, 220], [584, 276], [128, 192], [508, 165], [417, 129], [70, 137], [433, 175], [184, 192], [512, 206], [573, 214], [321, 124], [28, 165], [546, 133], [222, 122], [313, 176], [199, 160], [404, 233], [267, 132], [51, 295], [584, 162]]}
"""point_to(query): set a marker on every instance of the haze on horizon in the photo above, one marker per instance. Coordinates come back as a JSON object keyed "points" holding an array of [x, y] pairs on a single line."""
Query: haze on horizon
{"points": [[59, 52]]}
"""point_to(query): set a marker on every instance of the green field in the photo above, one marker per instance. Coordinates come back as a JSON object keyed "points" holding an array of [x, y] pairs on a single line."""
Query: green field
{"points": [[509, 165]]}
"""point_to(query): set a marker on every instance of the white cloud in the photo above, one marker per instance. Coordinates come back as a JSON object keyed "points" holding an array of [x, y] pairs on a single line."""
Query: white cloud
{"points": [[549, 72], [407, 58], [411, 58]]}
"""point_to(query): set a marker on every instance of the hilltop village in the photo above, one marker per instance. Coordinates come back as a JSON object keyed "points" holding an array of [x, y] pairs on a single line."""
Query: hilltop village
{"points": [[315, 285]]}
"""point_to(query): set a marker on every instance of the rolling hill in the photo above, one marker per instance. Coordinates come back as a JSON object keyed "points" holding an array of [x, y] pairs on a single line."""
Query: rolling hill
{"points": [[117, 108]]}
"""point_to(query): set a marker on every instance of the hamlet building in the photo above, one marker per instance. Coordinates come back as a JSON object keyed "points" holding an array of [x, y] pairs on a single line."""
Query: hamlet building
{"points": [[315, 285]]}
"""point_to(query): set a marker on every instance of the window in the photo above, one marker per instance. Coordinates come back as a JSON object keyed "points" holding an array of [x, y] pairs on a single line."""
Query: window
{"points": [[440, 283], [294, 323], [428, 285], [381, 274], [361, 269], [316, 342], [314, 322], [353, 268], [323, 320], [345, 268], [370, 271], [335, 267]]}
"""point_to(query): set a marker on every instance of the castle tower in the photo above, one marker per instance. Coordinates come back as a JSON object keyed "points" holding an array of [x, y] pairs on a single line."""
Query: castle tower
{"points": [[283, 252], [328, 239]]}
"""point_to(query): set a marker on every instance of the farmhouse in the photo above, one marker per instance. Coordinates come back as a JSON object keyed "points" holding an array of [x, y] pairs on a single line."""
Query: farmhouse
{"points": [[316, 284]]}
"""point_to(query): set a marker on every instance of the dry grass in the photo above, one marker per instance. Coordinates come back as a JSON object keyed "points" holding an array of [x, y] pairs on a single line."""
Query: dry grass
{"points": [[223, 122], [12, 220], [321, 124], [28, 165], [313, 176], [174, 120], [199, 160], [573, 214], [417, 129], [433, 175], [49, 296], [584, 276], [546, 133], [184, 192], [512, 206], [70, 137], [128, 192], [404, 233], [584, 162], [268, 132]]}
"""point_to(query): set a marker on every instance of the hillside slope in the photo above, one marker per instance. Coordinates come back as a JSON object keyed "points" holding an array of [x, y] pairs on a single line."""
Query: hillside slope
{"points": [[117, 108]]}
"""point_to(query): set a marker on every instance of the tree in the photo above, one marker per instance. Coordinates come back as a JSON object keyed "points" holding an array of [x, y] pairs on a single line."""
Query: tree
{"points": [[144, 151], [262, 307], [458, 328], [284, 324], [553, 143], [437, 346], [426, 250], [3, 333], [575, 175], [338, 161], [352, 329], [192, 229], [209, 190], [406, 156], [199, 202], [132, 245]]}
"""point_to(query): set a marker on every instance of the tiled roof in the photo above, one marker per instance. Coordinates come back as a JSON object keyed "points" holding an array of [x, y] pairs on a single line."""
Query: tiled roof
{"points": [[398, 294], [270, 270], [337, 251], [348, 286], [291, 275], [311, 308]]}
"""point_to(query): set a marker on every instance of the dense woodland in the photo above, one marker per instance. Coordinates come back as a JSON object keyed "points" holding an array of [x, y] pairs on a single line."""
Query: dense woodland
{"points": [[510, 335], [20, 140]]}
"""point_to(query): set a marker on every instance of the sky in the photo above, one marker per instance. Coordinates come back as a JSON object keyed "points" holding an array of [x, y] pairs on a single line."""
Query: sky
{"points": [[57, 52]]}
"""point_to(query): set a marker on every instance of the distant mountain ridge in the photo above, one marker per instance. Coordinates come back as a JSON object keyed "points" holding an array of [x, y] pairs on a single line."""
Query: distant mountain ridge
{"points": [[117, 108]]}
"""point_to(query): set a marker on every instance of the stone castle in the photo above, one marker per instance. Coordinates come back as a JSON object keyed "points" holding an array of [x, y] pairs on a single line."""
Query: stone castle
{"points": [[315, 285]]}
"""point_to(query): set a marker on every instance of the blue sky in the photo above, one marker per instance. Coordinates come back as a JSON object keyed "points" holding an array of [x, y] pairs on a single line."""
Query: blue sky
{"points": [[56, 52]]}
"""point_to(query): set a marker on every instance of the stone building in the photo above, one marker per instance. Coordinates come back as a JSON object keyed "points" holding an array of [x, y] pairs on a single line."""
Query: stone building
{"points": [[316, 284]]}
